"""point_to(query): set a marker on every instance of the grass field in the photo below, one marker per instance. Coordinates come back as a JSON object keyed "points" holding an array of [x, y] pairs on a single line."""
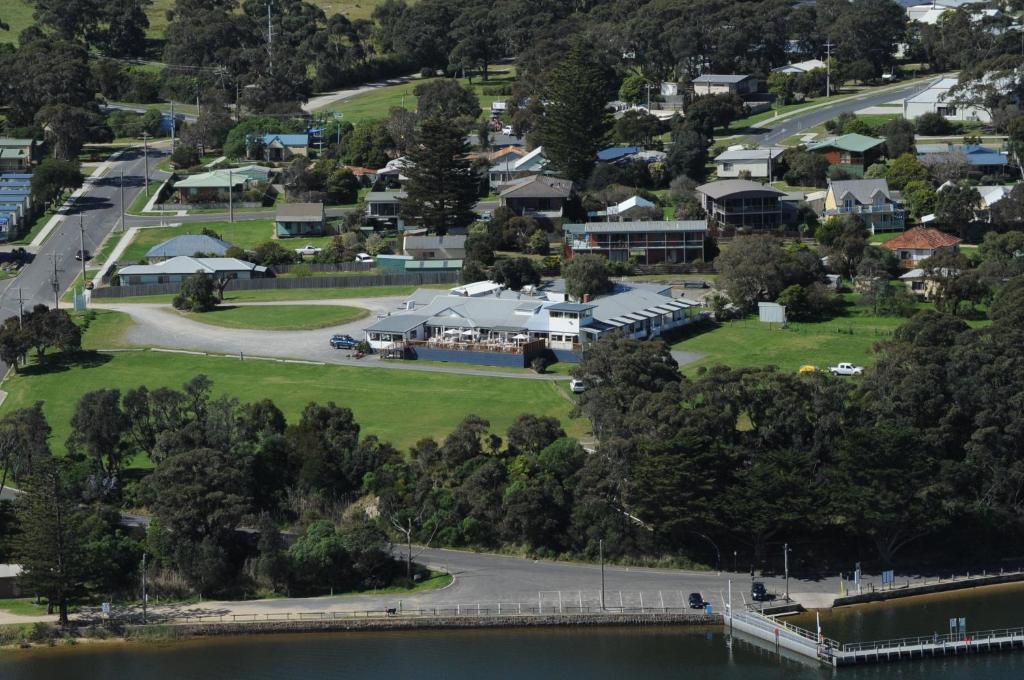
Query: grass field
{"points": [[377, 103], [399, 406], [245, 234], [286, 294], [23, 606], [280, 317], [103, 328], [884, 236]]}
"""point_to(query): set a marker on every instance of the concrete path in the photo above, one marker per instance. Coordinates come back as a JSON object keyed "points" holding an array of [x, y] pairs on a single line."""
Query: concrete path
{"points": [[159, 325]]}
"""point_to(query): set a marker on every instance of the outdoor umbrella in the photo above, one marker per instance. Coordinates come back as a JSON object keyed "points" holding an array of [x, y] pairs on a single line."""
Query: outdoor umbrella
{"points": [[520, 336]]}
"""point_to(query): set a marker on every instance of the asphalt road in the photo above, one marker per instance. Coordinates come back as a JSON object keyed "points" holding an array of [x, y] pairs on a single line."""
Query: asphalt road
{"points": [[787, 127]]}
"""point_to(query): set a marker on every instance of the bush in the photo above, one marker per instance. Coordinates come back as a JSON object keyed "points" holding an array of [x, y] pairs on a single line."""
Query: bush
{"points": [[540, 364], [427, 72], [932, 124], [301, 270], [184, 156], [42, 631]]}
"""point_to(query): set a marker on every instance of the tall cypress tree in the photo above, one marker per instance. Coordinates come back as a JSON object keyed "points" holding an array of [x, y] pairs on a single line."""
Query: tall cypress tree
{"points": [[576, 121], [441, 190], [51, 545]]}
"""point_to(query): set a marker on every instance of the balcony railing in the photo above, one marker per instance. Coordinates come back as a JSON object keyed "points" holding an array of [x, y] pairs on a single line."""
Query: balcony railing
{"points": [[887, 208]]}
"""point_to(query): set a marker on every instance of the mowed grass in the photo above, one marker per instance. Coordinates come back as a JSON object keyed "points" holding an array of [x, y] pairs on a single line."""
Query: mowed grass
{"points": [[399, 406], [23, 606], [103, 328], [280, 317], [246, 234], [377, 103], [286, 294]]}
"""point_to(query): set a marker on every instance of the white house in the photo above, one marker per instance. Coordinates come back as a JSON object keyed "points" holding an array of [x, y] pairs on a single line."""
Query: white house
{"points": [[177, 269], [800, 66], [936, 99], [758, 162]]}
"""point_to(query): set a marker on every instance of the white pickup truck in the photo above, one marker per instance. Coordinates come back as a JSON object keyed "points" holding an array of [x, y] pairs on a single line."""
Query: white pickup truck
{"points": [[846, 369]]}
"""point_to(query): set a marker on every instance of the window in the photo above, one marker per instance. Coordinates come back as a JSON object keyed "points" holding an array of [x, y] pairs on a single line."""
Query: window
{"points": [[905, 255], [726, 166]]}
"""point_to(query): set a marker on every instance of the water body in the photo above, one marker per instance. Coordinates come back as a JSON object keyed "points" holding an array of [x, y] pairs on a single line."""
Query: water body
{"points": [[560, 654]]}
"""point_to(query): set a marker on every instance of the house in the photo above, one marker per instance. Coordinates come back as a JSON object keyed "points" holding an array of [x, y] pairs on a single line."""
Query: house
{"points": [[852, 152], [9, 574], [188, 245], [435, 247], [177, 269], [743, 203], [508, 169], [300, 219], [537, 195], [384, 206], [759, 163], [918, 244], [632, 209], [16, 155], [936, 99], [392, 175], [649, 242], [493, 326], [218, 187], [715, 83], [990, 196], [283, 147], [920, 284], [801, 67], [870, 199], [497, 141], [981, 158], [366, 176]]}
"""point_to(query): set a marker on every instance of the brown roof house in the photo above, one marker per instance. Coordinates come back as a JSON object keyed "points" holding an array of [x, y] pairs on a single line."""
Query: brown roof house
{"points": [[537, 195], [300, 219], [918, 244]]}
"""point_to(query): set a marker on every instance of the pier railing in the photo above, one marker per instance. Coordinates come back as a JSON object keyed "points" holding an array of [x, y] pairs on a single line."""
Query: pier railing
{"points": [[934, 640]]}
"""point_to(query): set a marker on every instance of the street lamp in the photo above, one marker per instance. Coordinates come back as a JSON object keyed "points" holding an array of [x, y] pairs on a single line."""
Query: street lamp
{"points": [[600, 548], [785, 563]]}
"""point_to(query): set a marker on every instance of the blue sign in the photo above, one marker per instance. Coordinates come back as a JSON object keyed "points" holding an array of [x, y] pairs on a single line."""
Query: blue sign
{"points": [[888, 577], [3, 221]]}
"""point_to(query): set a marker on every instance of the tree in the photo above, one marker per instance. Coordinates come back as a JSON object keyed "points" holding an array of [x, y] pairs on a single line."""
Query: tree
{"points": [[24, 435], [714, 111], [899, 137], [184, 157], [933, 125], [441, 190], [515, 272], [270, 253], [342, 186], [68, 128], [638, 127], [445, 98], [98, 427], [319, 558], [955, 205], [125, 32], [53, 177], [14, 342], [50, 547], [197, 294], [586, 275], [756, 268], [479, 249], [805, 168], [904, 169], [688, 154], [46, 328], [919, 197], [575, 121]]}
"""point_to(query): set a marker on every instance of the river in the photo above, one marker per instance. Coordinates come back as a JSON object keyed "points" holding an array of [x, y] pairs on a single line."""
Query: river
{"points": [[563, 654]]}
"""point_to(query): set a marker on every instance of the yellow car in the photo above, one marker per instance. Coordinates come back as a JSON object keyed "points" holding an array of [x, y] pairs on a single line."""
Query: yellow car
{"points": [[808, 369]]}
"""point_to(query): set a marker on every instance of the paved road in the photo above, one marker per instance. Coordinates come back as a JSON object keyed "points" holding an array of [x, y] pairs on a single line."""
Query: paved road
{"points": [[240, 216], [787, 127], [163, 106], [156, 325]]}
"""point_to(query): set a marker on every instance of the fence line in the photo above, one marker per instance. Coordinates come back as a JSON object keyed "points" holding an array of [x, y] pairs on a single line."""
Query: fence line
{"points": [[370, 280], [323, 267]]}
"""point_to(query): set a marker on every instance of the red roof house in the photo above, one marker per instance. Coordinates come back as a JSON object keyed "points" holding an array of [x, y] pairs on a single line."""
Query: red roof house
{"points": [[920, 243]]}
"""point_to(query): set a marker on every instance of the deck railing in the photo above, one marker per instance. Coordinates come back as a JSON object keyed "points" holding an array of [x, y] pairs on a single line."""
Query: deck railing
{"points": [[934, 639]]}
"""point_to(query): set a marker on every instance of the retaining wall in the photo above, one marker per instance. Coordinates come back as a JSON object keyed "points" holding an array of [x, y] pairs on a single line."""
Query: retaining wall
{"points": [[927, 589]]}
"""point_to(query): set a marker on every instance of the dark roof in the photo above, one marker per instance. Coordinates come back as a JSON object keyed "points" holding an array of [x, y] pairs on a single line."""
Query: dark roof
{"points": [[863, 190], [570, 307], [301, 211], [539, 186], [188, 245], [434, 242], [726, 187], [615, 152], [730, 78]]}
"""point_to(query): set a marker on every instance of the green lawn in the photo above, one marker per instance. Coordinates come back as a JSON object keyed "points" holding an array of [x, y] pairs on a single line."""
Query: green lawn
{"points": [[246, 234], [142, 198], [23, 606], [749, 342], [378, 102], [280, 317], [884, 236], [103, 328], [37, 226], [286, 294], [399, 406]]}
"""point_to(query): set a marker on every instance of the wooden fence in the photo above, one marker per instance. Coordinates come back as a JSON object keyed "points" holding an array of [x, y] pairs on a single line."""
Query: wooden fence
{"points": [[320, 267], [370, 280]]}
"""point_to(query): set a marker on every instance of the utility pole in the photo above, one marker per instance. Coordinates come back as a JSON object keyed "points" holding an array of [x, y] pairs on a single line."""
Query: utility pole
{"points": [[21, 310], [55, 282], [81, 230], [173, 125], [828, 68], [145, 144], [270, 39], [231, 195], [144, 596], [122, 196], [600, 548], [785, 562]]}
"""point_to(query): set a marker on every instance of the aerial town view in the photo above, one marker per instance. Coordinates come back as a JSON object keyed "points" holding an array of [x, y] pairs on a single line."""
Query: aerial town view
{"points": [[556, 339]]}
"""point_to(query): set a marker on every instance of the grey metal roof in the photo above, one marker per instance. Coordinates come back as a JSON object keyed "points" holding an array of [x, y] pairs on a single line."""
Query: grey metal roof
{"points": [[305, 212], [637, 227], [539, 186], [397, 323], [749, 154], [434, 242], [189, 244], [385, 196], [192, 265], [727, 78], [863, 190], [570, 307], [725, 187]]}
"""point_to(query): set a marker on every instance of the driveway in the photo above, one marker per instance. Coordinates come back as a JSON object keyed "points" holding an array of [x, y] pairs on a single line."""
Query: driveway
{"points": [[158, 325]]}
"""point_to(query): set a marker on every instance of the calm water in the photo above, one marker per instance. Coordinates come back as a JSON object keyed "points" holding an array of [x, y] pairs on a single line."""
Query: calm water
{"points": [[562, 654]]}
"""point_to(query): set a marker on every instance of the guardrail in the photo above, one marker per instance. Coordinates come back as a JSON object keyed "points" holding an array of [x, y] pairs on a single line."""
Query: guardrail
{"points": [[933, 640]]}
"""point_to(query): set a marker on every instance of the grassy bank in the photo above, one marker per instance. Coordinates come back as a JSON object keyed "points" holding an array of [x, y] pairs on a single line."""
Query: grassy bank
{"points": [[397, 405], [286, 294], [280, 317]]}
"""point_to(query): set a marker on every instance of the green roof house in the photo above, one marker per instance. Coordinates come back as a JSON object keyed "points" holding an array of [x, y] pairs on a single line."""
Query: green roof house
{"points": [[853, 152]]}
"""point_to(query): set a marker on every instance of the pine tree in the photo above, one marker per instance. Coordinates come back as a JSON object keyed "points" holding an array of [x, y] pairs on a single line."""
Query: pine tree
{"points": [[575, 121], [51, 544], [441, 190]]}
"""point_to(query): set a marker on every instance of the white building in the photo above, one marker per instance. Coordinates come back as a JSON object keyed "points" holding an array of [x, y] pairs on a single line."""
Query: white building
{"points": [[758, 162], [936, 99], [801, 66]]}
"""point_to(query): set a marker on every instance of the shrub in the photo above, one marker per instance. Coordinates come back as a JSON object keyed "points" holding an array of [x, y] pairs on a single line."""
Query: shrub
{"points": [[540, 364]]}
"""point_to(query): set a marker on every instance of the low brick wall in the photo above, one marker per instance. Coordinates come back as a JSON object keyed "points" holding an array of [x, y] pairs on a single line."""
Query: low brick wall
{"points": [[431, 623]]}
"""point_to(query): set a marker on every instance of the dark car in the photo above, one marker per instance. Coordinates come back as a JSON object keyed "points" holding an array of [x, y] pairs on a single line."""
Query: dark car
{"points": [[696, 601], [343, 342], [759, 592], [81, 255]]}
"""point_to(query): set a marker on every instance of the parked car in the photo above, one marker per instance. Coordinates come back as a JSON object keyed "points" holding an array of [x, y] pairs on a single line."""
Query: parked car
{"points": [[81, 255], [695, 283], [759, 592], [344, 342], [364, 257], [577, 386], [696, 601], [308, 249], [486, 216], [507, 130], [846, 369]]}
